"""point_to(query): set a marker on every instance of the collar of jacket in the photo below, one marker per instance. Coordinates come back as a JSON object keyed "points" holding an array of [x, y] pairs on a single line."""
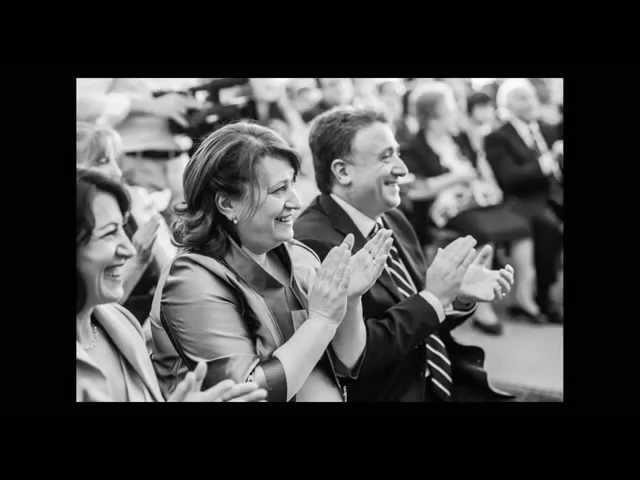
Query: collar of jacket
{"points": [[125, 332]]}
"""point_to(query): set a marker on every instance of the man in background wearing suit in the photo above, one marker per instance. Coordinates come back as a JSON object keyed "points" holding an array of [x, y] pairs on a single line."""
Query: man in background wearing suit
{"points": [[410, 354], [524, 154]]}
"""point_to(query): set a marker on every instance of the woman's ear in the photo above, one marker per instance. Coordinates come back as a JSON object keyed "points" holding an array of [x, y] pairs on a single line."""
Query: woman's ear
{"points": [[341, 173], [225, 206]]}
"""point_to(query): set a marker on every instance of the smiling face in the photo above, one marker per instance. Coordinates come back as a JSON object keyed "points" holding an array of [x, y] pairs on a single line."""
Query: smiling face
{"points": [[373, 170], [278, 203], [100, 261]]}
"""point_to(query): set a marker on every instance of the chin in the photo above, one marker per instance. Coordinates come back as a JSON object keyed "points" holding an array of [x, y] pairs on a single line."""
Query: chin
{"points": [[392, 202]]}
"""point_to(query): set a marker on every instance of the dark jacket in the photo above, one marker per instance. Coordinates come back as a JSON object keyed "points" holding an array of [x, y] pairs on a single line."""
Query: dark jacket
{"points": [[394, 365]]}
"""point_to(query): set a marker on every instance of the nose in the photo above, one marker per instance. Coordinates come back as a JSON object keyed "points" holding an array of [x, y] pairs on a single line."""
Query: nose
{"points": [[125, 248], [293, 202], [399, 168]]}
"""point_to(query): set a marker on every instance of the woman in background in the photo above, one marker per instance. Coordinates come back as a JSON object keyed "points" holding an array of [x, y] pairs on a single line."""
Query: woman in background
{"points": [[452, 191]]}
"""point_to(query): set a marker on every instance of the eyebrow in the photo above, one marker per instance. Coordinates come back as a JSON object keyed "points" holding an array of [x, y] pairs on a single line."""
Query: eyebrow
{"points": [[283, 181], [394, 148]]}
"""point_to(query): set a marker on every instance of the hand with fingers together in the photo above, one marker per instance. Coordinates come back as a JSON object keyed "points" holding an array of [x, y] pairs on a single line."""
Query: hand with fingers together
{"points": [[481, 284], [226, 391], [446, 272], [328, 293], [368, 263]]}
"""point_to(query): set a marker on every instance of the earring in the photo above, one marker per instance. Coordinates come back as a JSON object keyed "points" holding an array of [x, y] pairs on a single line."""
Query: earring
{"points": [[234, 220]]}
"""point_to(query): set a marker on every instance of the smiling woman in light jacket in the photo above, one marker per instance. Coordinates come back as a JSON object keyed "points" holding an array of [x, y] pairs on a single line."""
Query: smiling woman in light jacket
{"points": [[243, 295], [112, 361]]}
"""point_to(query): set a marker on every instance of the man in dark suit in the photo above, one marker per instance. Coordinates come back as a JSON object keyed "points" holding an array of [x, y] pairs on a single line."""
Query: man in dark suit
{"points": [[410, 354], [524, 154]]}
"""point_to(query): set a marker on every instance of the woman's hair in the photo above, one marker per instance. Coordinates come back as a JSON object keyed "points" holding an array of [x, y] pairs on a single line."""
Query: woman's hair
{"points": [[425, 99], [225, 162], [92, 141], [88, 184]]}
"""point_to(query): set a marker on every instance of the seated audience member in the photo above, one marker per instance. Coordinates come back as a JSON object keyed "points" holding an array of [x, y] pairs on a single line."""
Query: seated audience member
{"points": [[335, 92], [451, 191], [100, 148], [243, 295], [112, 362], [153, 158], [410, 310], [305, 95], [523, 155]]}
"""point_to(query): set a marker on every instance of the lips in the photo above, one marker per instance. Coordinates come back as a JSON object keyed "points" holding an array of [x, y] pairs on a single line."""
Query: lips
{"points": [[285, 218], [114, 272]]}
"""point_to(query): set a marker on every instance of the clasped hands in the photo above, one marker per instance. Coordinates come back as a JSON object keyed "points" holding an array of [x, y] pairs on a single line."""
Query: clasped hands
{"points": [[459, 271]]}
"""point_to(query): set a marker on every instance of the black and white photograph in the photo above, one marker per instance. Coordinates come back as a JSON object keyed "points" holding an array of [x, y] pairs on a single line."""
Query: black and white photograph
{"points": [[351, 240]]}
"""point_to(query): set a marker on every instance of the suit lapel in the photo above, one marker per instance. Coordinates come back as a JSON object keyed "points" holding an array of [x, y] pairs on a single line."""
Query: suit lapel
{"points": [[343, 223]]}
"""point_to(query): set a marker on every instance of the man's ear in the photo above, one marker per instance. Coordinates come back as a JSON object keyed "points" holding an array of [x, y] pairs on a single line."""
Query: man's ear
{"points": [[225, 206], [341, 172]]}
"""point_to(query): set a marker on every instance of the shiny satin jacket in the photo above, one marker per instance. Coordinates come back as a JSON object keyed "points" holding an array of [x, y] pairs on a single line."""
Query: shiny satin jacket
{"points": [[233, 315]]}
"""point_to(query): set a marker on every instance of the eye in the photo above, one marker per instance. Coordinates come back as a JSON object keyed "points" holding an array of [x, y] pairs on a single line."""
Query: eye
{"points": [[102, 161]]}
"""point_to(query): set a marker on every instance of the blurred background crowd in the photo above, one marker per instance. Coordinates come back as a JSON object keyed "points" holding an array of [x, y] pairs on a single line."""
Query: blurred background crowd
{"points": [[485, 157]]}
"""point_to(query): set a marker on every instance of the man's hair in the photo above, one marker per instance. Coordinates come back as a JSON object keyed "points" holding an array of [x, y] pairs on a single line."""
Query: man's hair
{"points": [[331, 136], [477, 99]]}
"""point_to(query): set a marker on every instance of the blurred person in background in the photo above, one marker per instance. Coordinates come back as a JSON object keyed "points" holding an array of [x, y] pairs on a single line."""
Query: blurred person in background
{"points": [[154, 158], [244, 296], [272, 107], [523, 154], [391, 92], [305, 95], [335, 92], [99, 148], [112, 361], [454, 190]]}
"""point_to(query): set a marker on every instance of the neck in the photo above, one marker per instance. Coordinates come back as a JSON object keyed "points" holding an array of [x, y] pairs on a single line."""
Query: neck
{"points": [[83, 325], [347, 197], [260, 258]]}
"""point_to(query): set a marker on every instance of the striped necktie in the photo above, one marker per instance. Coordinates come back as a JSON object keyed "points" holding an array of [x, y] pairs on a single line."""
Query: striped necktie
{"points": [[438, 363]]}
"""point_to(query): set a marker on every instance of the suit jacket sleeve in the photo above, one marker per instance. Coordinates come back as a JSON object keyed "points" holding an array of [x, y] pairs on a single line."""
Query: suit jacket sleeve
{"points": [[513, 177]]}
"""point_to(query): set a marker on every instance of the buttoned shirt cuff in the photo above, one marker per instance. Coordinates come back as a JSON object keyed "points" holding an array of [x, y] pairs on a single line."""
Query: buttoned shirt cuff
{"points": [[435, 303]]}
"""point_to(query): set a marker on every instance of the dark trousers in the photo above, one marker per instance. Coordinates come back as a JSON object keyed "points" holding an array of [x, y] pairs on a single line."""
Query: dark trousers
{"points": [[547, 240]]}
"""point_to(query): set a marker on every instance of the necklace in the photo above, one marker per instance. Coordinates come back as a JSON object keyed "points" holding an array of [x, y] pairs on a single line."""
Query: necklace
{"points": [[94, 340]]}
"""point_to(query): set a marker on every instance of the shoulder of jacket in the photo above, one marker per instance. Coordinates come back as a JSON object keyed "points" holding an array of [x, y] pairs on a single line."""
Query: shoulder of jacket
{"points": [[121, 311]]}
